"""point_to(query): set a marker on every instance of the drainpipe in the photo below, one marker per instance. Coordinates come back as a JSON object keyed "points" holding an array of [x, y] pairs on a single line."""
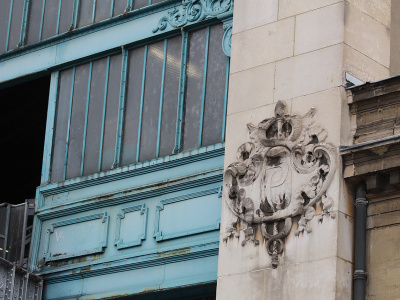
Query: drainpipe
{"points": [[360, 234]]}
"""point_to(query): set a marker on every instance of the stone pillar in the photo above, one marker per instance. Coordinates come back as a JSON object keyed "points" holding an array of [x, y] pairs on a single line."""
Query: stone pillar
{"points": [[287, 223]]}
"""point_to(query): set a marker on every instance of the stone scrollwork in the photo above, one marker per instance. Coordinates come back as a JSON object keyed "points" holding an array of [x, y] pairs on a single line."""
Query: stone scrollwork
{"points": [[193, 11], [283, 172]]}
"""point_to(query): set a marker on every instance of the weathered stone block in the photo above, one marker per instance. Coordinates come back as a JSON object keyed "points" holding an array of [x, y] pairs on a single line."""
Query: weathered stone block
{"points": [[251, 88], [319, 28], [262, 45], [255, 13]]}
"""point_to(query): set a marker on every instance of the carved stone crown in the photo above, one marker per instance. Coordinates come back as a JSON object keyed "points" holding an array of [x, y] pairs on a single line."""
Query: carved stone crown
{"points": [[287, 168]]}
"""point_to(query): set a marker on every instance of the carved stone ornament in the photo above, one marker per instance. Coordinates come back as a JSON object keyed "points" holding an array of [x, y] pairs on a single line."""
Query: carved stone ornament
{"points": [[194, 11], [287, 168]]}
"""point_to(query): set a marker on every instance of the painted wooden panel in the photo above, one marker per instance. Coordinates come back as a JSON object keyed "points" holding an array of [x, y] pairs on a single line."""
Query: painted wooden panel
{"points": [[76, 237]]}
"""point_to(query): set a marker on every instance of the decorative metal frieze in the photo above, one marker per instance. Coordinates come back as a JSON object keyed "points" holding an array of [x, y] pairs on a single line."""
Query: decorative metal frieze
{"points": [[281, 173], [193, 11], [227, 38]]}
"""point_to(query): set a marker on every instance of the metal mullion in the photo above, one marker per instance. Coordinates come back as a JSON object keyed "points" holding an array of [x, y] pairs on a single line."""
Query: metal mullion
{"points": [[94, 10], [69, 123], [24, 22], [121, 108], [42, 20], [6, 231], [203, 93], [58, 17], [104, 113], [9, 23], [112, 8], [21, 260], [141, 104], [48, 141], [225, 97], [182, 82], [75, 14], [161, 98], [86, 115], [129, 5]]}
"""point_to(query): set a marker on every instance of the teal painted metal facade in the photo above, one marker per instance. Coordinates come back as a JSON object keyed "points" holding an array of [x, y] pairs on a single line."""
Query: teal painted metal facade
{"points": [[133, 228]]}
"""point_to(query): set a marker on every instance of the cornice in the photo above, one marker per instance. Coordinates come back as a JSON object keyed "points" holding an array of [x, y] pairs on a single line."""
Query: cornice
{"points": [[137, 193], [117, 265], [154, 165]]}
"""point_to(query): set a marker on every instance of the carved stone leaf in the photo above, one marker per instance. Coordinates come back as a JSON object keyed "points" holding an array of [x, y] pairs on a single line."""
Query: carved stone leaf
{"points": [[296, 172]]}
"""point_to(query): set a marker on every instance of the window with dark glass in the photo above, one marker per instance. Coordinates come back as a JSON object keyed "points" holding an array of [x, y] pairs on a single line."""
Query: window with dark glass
{"points": [[148, 102]]}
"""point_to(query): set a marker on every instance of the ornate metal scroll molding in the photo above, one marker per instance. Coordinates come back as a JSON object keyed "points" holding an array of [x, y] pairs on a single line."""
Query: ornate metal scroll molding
{"points": [[193, 11], [227, 38], [283, 171]]}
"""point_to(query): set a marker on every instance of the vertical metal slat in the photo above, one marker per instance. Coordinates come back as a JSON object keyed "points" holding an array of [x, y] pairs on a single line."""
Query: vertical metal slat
{"points": [[69, 123], [9, 24], [225, 98], [182, 82], [48, 141], [75, 14], [24, 23], [58, 17], [161, 98], [121, 108], [112, 8], [94, 11], [104, 113], [42, 20], [203, 92], [6, 231], [129, 5], [86, 116], [21, 260], [141, 103]]}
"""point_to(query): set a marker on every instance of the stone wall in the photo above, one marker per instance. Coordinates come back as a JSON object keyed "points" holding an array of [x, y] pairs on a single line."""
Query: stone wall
{"points": [[383, 256], [294, 53]]}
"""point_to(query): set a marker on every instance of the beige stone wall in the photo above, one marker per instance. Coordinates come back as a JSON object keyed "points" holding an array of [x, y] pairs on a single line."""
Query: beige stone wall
{"points": [[298, 51], [383, 255]]}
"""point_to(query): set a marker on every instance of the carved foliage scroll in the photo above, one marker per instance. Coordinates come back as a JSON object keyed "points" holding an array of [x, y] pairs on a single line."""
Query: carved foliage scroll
{"points": [[287, 167]]}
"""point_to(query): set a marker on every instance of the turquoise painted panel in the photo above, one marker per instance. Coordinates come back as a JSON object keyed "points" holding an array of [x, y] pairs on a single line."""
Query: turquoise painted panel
{"points": [[191, 164], [131, 226], [128, 225], [71, 49], [189, 214], [181, 273], [76, 237]]}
